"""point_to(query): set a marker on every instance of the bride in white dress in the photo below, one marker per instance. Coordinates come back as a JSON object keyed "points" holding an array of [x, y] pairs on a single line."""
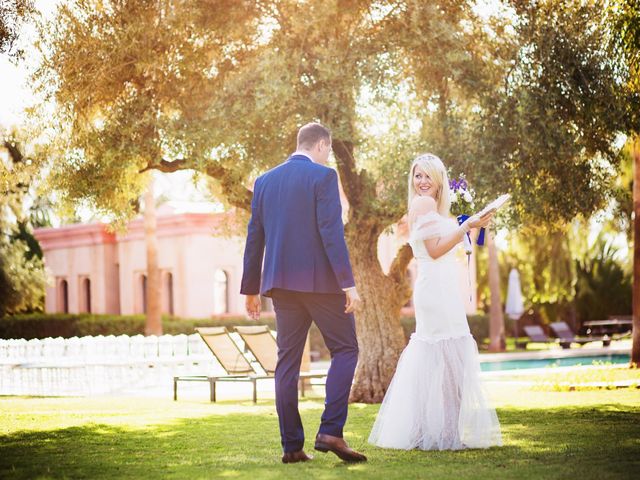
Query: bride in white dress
{"points": [[435, 400]]}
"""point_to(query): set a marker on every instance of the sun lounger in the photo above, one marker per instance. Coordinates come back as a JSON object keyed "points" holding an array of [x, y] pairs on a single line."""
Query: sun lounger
{"points": [[236, 366], [262, 344], [566, 336], [536, 334]]}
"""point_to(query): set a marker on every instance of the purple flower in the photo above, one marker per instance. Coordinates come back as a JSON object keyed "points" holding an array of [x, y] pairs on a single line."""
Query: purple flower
{"points": [[457, 184]]}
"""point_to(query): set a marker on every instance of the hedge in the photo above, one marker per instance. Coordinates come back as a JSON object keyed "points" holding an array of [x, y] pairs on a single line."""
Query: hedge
{"points": [[478, 324], [41, 325], [78, 325]]}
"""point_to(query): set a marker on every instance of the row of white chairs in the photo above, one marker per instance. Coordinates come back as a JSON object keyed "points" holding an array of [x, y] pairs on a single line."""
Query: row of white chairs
{"points": [[96, 379], [101, 364], [102, 349]]}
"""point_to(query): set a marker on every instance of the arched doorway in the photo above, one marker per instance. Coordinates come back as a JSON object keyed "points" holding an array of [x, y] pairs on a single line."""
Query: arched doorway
{"points": [[63, 296], [140, 291], [167, 293], [143, 281], [85, 295], [220, 292]]}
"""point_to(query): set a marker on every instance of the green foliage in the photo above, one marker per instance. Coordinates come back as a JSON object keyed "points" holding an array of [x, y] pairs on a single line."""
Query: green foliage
{"points": [[24, 235], [134, 83], [22, 275], [603, 287], [526, 102], [562, 276], [622, 217], [540, 138], [624, 15], [478, 324], [78, 325], [598, 376], [545, 262], [12, 14], [22, 280]]}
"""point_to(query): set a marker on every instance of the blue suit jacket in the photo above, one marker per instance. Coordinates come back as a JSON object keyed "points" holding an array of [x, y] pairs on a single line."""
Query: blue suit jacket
{"points": [[296, 217]]}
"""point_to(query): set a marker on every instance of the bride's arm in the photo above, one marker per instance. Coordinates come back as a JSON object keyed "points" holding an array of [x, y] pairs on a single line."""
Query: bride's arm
{"points": [[439, 245]]}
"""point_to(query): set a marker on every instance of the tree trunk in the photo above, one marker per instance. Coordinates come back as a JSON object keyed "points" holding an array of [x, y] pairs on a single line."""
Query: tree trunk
{"points": [[154, 319], [496, 318], [380, 335], [635, 349]]}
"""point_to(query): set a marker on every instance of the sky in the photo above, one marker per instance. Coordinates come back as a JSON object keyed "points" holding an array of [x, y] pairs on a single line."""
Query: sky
{"points": [[15, 94]]}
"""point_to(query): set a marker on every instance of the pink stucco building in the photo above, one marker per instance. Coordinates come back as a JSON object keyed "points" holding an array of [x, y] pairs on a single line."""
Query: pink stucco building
{"points": [[96, 271]]}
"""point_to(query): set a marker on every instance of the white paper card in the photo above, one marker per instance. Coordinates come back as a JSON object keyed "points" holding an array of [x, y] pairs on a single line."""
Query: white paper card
{"points": [[495, 205]]}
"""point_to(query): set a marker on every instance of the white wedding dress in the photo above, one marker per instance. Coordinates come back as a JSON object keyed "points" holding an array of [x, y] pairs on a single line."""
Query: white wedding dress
{"points": [[435, 400]]}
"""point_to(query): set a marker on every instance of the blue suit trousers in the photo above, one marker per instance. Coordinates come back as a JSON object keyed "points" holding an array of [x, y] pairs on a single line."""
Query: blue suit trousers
{"points": [[294, 313]]}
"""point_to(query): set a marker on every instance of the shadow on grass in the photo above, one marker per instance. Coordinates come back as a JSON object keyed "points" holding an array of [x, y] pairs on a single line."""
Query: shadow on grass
{"points": [[575, 442]]}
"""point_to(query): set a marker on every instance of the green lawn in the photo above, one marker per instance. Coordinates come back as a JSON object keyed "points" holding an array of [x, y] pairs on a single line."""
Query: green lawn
{"points": [[510, 345], [547, 435]]}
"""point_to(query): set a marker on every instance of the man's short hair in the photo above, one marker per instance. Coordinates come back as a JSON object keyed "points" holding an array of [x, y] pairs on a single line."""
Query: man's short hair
{"points": [[312, 133]]}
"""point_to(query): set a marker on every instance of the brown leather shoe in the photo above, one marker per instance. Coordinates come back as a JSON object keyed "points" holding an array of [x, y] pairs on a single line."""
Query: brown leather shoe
{"points": [[329, 443], [295, 457]]}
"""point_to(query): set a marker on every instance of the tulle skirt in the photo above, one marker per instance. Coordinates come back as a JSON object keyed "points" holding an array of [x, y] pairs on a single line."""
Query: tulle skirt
{"points": [[436, 400]]}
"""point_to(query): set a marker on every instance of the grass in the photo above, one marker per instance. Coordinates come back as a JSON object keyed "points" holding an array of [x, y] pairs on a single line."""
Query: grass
{"points": [[599, 375], [510, 345], [593, 434]]}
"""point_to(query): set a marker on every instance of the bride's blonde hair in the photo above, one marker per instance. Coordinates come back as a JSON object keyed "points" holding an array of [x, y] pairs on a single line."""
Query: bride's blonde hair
{"points": [[434, 167]]}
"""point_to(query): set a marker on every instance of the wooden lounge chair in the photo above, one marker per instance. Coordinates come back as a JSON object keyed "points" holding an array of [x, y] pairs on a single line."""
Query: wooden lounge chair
{"points": [[262, 345], [235, 364], [536, 334], [566, 336]]}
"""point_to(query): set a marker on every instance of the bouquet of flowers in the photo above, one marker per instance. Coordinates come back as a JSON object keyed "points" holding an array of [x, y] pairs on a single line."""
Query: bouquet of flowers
{"points": [[461, 196], [462, 207]]}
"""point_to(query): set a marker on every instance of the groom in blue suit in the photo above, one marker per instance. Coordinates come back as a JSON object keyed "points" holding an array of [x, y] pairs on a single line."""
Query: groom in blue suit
{"points": [[296, 226]]}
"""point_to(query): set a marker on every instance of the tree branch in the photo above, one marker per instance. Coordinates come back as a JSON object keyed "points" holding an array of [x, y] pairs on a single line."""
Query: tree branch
{"points": [[14, 151], [388, 217], [168, 166], [398, 270], [232, 184], [351, 180]]}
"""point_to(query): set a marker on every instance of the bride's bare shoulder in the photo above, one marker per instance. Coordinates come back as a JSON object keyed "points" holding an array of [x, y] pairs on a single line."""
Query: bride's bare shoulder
{"points": [[421, 205]]}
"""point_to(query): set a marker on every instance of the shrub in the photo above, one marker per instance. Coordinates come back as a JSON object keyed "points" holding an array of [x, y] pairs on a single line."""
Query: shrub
{"points": [[22, 279], [478, 324], [603, 287], [43, 325]]}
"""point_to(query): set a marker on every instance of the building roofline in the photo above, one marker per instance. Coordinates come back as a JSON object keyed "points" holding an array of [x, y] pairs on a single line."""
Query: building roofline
{"points": [[78, 235]]}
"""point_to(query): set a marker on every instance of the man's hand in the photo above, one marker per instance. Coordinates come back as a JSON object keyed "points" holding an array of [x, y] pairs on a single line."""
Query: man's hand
{"points": [[253, 306], [353, 300]]}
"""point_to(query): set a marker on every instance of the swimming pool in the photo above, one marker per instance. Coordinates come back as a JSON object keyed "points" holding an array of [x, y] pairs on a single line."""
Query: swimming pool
{"points": [[488, 366]]}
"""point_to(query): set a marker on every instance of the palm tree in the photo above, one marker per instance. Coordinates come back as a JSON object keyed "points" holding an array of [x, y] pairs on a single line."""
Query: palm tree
{"points": [[153, 325]]}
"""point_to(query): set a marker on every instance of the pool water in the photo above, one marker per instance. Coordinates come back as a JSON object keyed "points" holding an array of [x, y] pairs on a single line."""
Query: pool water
{"points": [[552, 362]]}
